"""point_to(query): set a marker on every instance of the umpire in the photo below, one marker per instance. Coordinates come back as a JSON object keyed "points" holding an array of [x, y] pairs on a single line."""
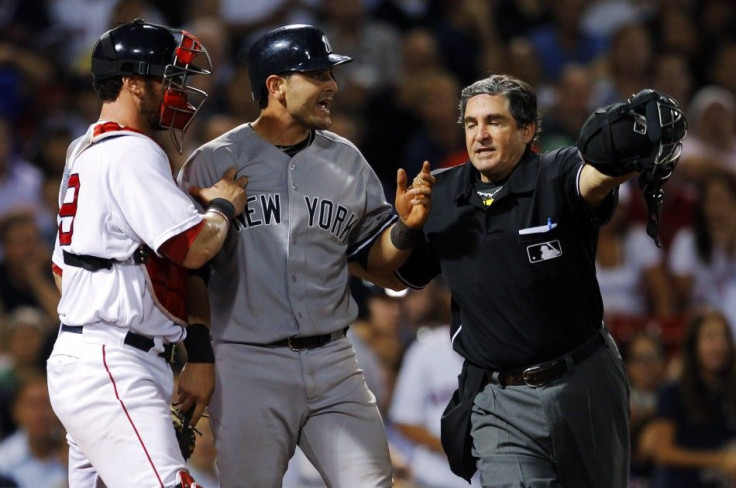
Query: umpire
{"points": [[514, 234]]}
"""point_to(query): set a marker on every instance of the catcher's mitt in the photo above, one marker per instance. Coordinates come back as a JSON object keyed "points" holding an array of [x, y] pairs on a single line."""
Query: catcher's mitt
{"points": [[184, 430]]}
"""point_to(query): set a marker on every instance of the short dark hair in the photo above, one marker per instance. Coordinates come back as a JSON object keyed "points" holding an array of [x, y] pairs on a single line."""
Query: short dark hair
{"points": [[108, 89], [521, 96]]}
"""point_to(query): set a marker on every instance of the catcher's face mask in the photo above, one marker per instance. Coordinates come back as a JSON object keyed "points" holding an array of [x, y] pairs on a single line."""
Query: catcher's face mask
{"points": [[182, 101]]}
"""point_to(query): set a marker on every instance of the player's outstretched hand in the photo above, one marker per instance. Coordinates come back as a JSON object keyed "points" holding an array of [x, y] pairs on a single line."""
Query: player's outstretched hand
{"points": [[228, 188], [413, 202]]}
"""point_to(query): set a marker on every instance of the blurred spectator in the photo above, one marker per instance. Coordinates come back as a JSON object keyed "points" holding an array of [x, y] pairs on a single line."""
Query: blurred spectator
{"points": [[348, 24], [361, 335], [605, 17], [646, 362], [25, 270], [402, 14], [247, 20], [382, 333], [672, 76], [438, 138], [631, 270], [21, 347], [22, 73], [389, 119], [562, 40], [35, 455], [518, 18], [716, 20], [674, 29], [524, 63], [22, 336], [627, 65], [426, 308], [722, 70], [696, 414], [48, 152], [703, 258], [466, 42], [711, 138], [212, 31], [426, 381], [20, 181], [80, 32], [562, 120]]}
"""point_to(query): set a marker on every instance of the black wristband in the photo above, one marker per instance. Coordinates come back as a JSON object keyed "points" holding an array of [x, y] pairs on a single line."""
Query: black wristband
{"points": [[222, 206], [403, 236], [198, 345]]}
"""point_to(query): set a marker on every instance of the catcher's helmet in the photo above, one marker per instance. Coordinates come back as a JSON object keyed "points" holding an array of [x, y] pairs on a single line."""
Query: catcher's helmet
{"points": [[296, 47], [140, 48]]}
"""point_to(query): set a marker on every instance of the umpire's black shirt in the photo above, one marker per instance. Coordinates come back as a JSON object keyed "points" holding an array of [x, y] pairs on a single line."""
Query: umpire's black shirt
{"points": [[522, 270]]}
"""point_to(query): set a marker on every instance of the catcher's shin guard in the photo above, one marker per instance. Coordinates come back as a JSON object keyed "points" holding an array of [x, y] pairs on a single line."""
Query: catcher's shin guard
{"points": [[185, 480]]}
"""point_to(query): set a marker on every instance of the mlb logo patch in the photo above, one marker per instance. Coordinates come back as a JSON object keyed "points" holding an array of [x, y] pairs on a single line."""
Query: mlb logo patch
{"points": [[544, 251]]}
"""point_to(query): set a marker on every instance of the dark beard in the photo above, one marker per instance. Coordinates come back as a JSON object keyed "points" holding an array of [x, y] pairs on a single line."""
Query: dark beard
{"points": [[151, 106]]}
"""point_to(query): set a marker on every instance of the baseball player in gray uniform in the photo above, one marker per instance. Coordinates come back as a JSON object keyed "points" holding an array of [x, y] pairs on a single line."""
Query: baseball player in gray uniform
{"points": [[286, 375]]}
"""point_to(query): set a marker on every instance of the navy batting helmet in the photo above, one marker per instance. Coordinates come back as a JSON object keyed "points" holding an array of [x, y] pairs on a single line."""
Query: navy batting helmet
{"points": [[140, 48], [291, 48]]}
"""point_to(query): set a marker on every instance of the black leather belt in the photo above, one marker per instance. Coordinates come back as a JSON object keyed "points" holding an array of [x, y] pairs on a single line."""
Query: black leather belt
{"points": [[297, 344], [543, 373], [132, 339]]}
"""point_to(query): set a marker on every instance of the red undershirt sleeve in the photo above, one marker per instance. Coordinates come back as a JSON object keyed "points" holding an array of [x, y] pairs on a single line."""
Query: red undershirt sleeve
{"points": [[176, 248]]}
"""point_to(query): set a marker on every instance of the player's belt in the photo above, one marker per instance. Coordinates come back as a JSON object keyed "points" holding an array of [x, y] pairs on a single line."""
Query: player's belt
{"points": [[297, 344], [543, 373], [138, 341]]}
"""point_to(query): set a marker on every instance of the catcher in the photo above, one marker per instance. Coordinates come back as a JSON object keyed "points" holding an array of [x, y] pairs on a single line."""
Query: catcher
{"points": [[543, 394]]}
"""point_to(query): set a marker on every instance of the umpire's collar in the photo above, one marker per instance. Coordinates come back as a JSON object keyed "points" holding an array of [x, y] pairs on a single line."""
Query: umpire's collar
{"points": [[523, 179]]}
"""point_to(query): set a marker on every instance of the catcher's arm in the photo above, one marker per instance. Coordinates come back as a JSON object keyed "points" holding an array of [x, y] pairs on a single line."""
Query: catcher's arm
{"points": [[197, 379]]}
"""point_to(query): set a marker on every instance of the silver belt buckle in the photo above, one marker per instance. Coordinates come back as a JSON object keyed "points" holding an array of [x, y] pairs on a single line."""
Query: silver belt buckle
{"points": [[293, 347], [528, 372]]}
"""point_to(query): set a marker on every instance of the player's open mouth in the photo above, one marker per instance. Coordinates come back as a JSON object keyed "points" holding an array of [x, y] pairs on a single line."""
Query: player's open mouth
{"points": [[324, 105]]}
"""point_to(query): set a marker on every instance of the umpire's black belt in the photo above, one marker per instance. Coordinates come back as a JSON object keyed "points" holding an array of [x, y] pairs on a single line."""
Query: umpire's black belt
{"points": [[138, 341], [543, 373], [297, 344]]}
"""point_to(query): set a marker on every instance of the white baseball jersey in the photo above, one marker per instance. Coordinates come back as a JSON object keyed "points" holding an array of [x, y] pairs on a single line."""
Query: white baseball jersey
{"points": [[426, 382], [306, 216], [118, 193]]}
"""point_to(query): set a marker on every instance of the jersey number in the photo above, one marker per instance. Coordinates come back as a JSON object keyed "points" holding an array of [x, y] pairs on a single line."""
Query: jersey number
{"points": [[68, 210]]}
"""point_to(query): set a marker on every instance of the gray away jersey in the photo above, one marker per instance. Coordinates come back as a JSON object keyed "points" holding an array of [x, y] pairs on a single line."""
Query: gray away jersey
{"points": [[283, 268]]}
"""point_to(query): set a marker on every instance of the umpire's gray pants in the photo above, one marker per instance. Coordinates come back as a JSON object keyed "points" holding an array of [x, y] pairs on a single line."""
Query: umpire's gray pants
{"points": [[570, 433]]}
